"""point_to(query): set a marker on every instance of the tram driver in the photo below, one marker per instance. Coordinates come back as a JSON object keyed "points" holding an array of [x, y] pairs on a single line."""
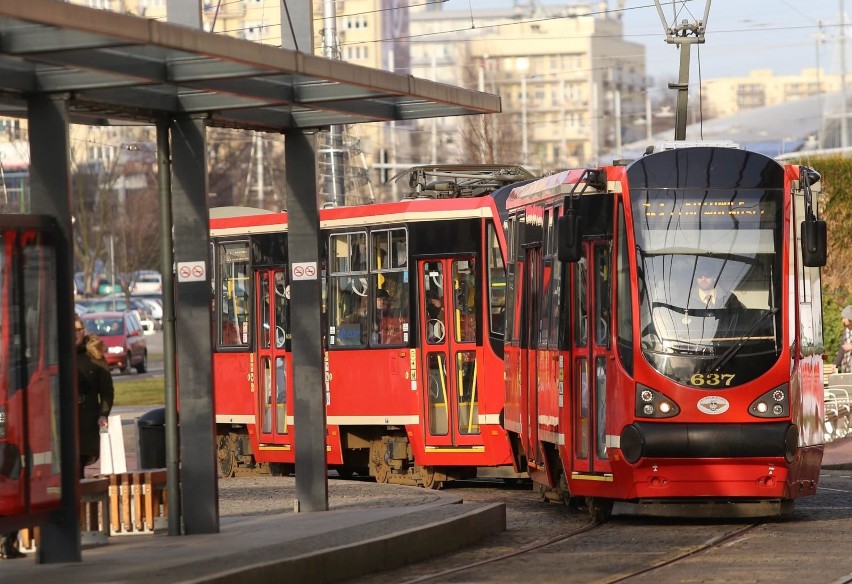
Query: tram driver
{"points": [[706, 294]]}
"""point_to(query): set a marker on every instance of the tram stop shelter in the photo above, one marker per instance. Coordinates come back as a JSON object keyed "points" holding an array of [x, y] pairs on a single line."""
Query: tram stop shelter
{"points": [[63, 64]]}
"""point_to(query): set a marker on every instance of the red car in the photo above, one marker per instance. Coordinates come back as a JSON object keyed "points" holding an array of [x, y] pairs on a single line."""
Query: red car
{"points": [[122, 335]]}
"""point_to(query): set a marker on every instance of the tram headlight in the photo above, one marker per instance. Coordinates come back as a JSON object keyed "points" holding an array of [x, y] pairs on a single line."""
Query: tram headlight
{"points": [[775, 403], [653, 404]]}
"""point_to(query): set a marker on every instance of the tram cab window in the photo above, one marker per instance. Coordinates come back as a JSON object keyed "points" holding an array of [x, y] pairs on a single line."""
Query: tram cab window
{"points": [[496, 284]]}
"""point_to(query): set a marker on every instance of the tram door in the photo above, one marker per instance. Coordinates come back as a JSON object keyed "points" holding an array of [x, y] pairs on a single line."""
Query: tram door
{"points": [[272, 363], [532, 281], [448, 331], [590, 342]]}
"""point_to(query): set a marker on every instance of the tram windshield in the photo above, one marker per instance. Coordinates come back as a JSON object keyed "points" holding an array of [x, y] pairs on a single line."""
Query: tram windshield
{"points": [[709, 267]]}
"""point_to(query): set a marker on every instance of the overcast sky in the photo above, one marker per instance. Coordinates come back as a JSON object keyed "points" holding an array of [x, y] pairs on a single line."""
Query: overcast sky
{"points": [[741, 34]]}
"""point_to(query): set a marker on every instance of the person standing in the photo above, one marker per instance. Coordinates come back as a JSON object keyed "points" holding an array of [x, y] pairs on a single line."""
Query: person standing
{"points": [[843, 359], [8, 551], [95, 393]]}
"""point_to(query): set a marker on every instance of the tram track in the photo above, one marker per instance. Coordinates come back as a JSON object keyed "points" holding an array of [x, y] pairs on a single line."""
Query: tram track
{"points": [[525, 549], [713, 544]]}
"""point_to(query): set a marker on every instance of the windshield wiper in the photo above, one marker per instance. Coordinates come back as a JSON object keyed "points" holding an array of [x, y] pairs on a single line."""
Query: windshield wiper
{"points": [[734, 349]]}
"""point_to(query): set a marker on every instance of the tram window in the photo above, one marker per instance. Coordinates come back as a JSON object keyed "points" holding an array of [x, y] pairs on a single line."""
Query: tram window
{"points": [[234, 297], [582, 404], [265, 332], [390, 249], [280, 395], [348, 252], [623, 299], [544, 310], [496, 284], [266, 394], [581, 319], [555, 305], [349, 290], [511, 267], [602, 294], [282, 309], [436, 374], [389, 267], [391, 314], [464, 300], [468, 408]]}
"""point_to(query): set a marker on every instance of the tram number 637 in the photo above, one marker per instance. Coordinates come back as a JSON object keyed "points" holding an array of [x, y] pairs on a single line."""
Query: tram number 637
{"points": [[711, 379]]}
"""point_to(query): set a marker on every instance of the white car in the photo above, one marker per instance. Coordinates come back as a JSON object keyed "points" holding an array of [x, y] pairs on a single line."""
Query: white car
{"points": [[146, 281]]}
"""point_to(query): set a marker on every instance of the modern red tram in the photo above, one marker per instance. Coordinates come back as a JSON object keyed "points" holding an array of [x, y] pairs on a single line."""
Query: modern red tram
{"points": [[414, 299], [29, 383], [665, 334]]}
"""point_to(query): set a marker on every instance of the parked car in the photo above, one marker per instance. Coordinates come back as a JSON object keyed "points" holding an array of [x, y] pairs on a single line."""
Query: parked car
{"points": [[122, 335], [146, 281], [154, 306]]}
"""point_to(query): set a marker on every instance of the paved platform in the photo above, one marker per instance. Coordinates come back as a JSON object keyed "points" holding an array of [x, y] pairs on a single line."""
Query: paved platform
{"points": [[368, 528], [838, 454]]}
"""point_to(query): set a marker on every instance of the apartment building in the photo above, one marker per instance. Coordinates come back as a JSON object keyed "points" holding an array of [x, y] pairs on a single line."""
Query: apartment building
{"points": [[730, 95], [571, 86]]}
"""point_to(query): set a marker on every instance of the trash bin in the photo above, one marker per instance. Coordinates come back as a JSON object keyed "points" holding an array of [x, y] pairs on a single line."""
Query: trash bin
{"points": [[151, 450]]}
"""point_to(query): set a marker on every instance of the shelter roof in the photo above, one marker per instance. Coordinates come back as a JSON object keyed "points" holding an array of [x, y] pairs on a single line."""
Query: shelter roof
{"points": [[122, 68]]}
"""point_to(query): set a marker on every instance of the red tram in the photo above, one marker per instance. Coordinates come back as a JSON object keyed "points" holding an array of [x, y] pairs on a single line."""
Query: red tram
{"points": [[29, 384], [665, 339], [414, 295]]}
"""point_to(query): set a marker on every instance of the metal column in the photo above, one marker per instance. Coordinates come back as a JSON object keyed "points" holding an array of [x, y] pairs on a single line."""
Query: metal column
{"points": [[303, 246], [167, 261], [192, 325], [50, 193]]}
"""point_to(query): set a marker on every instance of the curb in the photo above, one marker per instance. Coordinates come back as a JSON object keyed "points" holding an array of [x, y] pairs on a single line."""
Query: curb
{"points": [[385, 552]]}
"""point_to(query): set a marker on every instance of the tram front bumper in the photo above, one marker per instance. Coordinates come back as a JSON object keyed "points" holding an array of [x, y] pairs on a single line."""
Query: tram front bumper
{"points": [[689, 441]]}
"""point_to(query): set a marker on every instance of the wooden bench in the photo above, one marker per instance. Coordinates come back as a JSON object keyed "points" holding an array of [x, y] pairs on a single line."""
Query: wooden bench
{"points": [[94, 511], [94, 516], [138, 501]]}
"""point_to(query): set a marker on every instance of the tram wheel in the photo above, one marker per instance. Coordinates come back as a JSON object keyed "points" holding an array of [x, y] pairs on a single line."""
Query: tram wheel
{"points": [[226, 455], [276, 469], [600, 510], [381, 470], [427, 476]]}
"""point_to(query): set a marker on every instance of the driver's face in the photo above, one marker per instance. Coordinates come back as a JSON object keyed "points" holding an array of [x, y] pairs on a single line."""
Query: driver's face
{"points": [[705, 282]]}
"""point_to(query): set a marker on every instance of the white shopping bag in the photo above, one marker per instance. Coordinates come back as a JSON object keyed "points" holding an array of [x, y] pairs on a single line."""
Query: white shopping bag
{"points": [[113, 460]]}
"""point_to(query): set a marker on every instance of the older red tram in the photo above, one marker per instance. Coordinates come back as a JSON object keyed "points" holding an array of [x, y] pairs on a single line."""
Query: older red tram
{"points": [[665, 334], [414, 295]]}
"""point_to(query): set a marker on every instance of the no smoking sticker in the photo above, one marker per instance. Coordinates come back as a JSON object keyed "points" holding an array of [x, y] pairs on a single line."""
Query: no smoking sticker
{"points": [[191, 271], [305, 271]]}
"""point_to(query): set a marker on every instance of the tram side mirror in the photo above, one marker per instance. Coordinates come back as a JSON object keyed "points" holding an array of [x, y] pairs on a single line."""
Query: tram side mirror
{"points": [[568, 245], [814, 243]]}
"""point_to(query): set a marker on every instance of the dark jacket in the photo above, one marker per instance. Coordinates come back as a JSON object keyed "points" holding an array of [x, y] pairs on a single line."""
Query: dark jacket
{"points": [[95, 394]]}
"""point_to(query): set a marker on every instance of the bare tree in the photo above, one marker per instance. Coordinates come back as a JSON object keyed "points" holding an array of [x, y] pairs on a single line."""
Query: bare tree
{"points": [[489, 139]]}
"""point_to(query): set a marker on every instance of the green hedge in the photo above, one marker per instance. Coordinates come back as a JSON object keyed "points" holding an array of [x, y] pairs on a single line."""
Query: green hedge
{"points": [[835, 201]]}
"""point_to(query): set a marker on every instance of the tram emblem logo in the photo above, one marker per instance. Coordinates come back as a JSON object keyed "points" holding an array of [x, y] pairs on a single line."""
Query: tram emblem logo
{"points": [[713, 405]]}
